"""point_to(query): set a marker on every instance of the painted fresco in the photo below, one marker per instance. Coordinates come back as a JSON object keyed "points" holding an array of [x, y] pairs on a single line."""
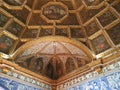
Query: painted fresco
{"points": [[59, 68], [45, 32], [50, 71], [76, 33], [38, 65], [14, 2], [70, 66], [114, 33], [25, 63], [92, 28], [109, 82], [30, 33], [5, 44], [54, 12], [100, 44], [80, 61], [3, 19], [106, 18], [61, 31], [32, 63], [7, 84], [15, 28]]}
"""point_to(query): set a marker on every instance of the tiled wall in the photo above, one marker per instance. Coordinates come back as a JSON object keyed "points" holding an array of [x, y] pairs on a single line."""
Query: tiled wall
{"points": [[109, 82], [8, 84]]}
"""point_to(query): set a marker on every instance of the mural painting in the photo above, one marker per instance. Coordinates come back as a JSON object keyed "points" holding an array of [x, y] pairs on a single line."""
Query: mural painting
{"points": [[61, 31], [100, 44], [77, 33], [92, 28], [45, 31], [106, 18], [59, 68], [25, 63], [15, 28], [32, 63], [3, 19], [70, 66], [5, 44], [38, 65], [50, 71], [114, 33], [80, 61], [54, 12]]}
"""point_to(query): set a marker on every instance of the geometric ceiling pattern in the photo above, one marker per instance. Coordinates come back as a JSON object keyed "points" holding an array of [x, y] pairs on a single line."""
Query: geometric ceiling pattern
{"points": [[95, 23]]}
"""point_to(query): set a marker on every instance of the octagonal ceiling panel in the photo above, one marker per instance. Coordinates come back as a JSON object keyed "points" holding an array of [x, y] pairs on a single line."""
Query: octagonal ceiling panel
{"points": [[54, 11]]}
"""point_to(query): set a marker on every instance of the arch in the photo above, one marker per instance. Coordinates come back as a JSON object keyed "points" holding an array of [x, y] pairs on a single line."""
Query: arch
{"points": [[52, 39]]}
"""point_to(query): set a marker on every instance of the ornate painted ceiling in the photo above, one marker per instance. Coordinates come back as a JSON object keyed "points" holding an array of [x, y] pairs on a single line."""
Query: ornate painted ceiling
{"points": [[95, 24]]}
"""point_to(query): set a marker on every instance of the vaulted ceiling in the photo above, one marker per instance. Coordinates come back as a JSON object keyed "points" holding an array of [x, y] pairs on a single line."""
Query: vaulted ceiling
{"points": [[94, 24]]}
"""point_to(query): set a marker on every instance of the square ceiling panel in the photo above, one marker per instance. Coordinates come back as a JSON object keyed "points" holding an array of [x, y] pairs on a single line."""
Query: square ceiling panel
{"points": [[3, 19], [100, 44], [61, 31], [15, 28], [5, 44], [46, 31], [106, 18], [114, 33], [77, 33], [92, 28]]}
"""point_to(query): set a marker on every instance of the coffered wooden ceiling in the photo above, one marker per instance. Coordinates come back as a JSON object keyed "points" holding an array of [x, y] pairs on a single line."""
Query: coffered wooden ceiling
{"points": [[94, 23]]}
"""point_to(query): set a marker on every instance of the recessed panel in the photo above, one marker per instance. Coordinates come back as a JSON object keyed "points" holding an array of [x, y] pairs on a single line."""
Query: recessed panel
{"points": [[77, 33], [106, 18], [91, 28], [61, 31], [15, 28], [5, 44], [3, 19], [54, 12], [100, 44], [46, 31], [114, 33]]}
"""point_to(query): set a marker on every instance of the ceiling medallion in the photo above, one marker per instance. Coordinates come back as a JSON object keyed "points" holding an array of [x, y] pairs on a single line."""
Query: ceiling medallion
{"points": [[54, 11]]}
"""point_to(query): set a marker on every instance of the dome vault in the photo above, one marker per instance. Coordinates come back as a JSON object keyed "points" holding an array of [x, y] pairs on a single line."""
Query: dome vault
{"points": [[52, 56]]}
